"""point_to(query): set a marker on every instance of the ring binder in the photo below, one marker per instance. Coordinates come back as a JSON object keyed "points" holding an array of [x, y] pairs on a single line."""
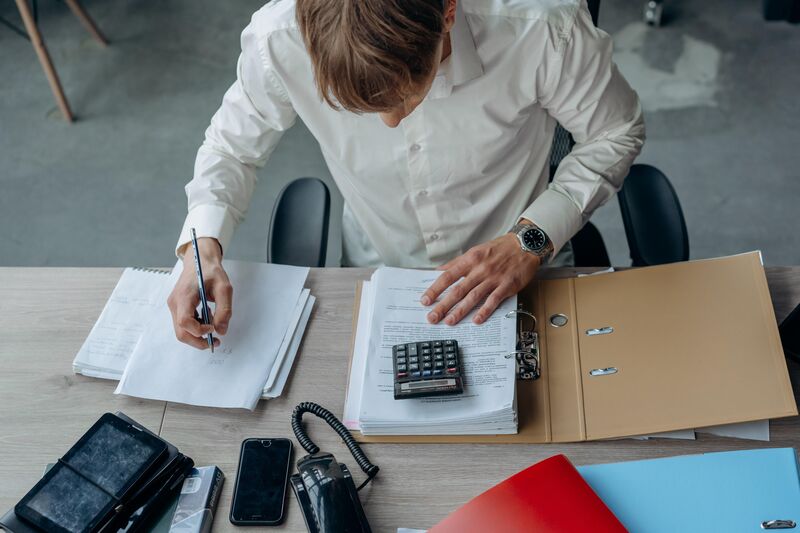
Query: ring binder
{"points": [[527, 352]]}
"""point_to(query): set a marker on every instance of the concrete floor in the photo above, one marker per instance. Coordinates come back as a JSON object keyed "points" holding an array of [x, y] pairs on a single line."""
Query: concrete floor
{"points": [[719, 87]]}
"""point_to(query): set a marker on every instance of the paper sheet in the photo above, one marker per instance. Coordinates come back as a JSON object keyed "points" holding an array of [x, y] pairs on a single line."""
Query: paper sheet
{"points": [[355, 385], [294, 320], [294, 347], [487, 405], [757, 430], [162, 368]]}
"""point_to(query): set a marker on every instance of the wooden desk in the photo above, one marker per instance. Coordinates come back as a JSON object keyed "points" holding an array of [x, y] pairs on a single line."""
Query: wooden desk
{"points": [[46, 314]]}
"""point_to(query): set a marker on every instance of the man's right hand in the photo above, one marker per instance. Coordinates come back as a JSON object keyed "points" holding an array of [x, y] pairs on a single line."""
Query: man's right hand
{"points": [[185, 298]]}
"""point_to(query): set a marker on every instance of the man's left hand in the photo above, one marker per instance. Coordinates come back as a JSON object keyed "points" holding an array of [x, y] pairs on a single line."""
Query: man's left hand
{"points": [[493, 270]]}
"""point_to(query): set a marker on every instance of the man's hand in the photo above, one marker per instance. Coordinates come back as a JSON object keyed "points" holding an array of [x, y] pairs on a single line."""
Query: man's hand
{"points": [[494, 270], [185, 297]]}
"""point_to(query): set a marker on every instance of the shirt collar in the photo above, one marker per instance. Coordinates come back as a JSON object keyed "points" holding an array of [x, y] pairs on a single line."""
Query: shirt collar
{"points": [[463, 64]]}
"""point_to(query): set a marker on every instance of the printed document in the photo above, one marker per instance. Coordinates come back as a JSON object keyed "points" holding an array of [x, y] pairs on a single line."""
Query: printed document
{"points": [[390, 313]]}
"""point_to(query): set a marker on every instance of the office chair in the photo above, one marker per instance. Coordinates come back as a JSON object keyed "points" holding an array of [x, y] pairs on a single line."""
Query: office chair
{"points": [[651, 214]]}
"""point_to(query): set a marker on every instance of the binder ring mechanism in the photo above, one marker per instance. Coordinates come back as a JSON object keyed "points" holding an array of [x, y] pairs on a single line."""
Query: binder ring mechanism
{"points": [[527, 352]]}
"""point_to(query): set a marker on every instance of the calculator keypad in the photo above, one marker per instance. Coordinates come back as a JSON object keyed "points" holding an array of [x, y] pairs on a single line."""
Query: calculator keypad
{"points": [[429, 368]]}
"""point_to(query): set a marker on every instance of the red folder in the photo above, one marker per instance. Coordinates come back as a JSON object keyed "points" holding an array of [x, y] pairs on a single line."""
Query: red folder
{"points": [[548, 497]]}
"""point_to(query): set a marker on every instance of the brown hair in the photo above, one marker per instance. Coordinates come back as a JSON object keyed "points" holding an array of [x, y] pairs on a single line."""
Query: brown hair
{"points": [[368, 55]]}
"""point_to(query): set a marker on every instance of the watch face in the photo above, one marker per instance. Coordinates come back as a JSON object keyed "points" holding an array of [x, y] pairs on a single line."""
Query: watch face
{"points": [[534, 239]]}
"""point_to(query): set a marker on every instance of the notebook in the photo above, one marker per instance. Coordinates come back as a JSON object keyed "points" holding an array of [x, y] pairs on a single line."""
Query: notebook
{"points": [[734, 492]]}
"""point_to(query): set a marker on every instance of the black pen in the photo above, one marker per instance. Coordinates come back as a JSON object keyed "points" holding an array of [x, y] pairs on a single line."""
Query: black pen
{"points": [[201, 287]]}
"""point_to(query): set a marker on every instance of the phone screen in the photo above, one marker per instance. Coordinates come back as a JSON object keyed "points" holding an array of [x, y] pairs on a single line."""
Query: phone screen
{"points": [[260, 490]]}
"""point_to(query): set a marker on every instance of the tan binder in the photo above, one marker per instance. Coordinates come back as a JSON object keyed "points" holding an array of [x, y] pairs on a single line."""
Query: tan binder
{"points": [[647, 350]]}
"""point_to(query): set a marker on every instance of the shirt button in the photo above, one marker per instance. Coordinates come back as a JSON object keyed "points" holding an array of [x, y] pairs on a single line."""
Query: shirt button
{"points": [[415, 147], [434, 236]]}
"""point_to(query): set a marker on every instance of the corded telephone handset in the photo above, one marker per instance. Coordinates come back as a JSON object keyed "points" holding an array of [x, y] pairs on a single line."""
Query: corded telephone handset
{"points": [[324, 487]]}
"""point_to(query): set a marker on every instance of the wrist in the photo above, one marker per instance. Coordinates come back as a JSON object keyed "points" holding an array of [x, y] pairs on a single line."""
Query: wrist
{"points": [[209, 248], [532, 240]]}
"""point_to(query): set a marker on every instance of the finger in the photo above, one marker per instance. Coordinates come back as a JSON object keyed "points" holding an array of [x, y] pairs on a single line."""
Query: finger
{"points": [[187, 338], [466, 305], [492, 302], [457, 293], [186, 319], [223, 305], [449, 264], [447, 278]]}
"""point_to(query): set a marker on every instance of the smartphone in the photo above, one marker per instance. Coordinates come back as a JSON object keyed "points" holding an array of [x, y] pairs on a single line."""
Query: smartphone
{"points": [[259, 495], [790, 335]]}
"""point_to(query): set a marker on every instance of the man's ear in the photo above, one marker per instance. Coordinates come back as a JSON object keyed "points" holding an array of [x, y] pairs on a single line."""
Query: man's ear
{"points": [[449, 14]]}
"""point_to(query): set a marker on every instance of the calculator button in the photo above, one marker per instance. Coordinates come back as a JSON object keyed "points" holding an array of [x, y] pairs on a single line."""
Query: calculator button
{"points": [[439, 357], [401, 360], [448, 343], [413, 359], [426, 358], [437, 350], [425, 345], [413, 367], [451, 364], [401, 374], [438, 372], [426, 366], [439, 364], [401, 368], [437, 343], [426, 373], [412, 349], [415, 374], [450, 349], [452, 370], [426, 351]]}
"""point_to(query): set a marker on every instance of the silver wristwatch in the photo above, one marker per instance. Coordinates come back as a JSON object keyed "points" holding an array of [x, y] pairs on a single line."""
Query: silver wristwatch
{"points": [[534, 240]]}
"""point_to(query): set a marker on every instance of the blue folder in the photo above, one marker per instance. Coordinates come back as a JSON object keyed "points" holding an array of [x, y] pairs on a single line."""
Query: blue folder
{"points": [[727, 492]]}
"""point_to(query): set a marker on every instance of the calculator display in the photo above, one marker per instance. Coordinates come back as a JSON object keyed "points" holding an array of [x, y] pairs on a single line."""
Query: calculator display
{"points": [[425, 369]]}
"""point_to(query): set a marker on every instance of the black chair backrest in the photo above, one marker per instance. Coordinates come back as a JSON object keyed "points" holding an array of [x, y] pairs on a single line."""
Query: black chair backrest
{"points": [[653, 218], [298, 233]]}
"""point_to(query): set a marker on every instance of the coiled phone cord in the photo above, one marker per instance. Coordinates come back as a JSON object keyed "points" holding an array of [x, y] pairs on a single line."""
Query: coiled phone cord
{"points": [[369, 469]]}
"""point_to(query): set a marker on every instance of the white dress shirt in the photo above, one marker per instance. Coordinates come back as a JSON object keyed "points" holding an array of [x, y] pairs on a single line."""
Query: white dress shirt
{"points": [[465, 165]]}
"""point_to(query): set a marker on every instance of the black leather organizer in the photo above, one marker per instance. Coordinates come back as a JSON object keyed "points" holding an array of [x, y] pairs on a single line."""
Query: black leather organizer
{"points": [[117, 477]]}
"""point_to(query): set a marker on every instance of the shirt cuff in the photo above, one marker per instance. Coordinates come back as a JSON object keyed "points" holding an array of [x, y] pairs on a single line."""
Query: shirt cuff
{"points": [[208, 221], [556, 215]]}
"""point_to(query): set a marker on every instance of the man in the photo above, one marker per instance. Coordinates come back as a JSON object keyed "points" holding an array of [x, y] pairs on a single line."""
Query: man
{"points": [[436, 119]]}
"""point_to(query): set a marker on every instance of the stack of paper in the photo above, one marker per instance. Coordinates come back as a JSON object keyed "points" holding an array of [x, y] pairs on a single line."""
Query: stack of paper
{"points": [[390, 313], [133, 340]]}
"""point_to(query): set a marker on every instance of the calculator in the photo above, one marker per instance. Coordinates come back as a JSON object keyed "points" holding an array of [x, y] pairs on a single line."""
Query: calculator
{"points": [[425, 369]]}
